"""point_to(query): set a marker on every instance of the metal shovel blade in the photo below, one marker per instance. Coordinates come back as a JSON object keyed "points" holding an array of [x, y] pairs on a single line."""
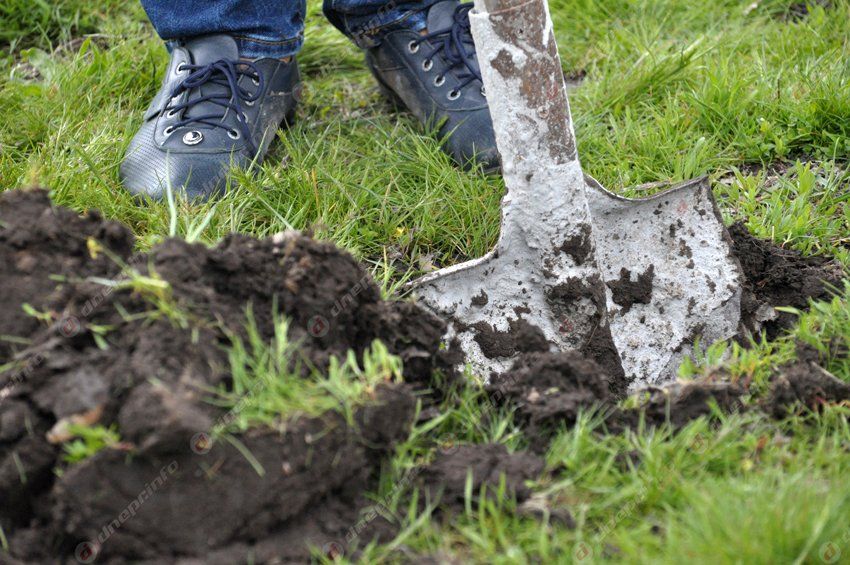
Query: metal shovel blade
{"points": [[633, 284], [672, 280]]}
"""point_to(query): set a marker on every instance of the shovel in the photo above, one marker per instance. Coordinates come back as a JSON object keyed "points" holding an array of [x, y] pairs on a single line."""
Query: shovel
{"points": [[633, 284]]}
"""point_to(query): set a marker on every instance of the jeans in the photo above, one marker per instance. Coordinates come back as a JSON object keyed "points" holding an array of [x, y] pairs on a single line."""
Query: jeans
{"points": [[275, 28]]}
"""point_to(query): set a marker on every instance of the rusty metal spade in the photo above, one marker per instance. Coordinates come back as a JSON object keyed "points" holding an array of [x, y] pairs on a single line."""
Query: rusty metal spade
{"points": [[634, 284]]}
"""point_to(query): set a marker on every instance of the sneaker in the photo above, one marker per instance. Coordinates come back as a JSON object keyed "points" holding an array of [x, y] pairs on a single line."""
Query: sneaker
{"points": [[213, 112], [436, 76]]}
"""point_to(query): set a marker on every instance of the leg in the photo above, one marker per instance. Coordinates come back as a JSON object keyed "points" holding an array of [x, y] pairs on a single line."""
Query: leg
{"points": [[424, 59], [366, 21], [261, 28]]}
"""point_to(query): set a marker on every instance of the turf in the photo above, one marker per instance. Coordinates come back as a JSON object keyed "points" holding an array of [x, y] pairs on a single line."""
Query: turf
{"points": [[753, 94]]}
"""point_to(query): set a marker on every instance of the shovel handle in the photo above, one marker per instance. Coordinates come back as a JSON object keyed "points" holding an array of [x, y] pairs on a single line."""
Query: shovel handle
{"points": [[525, 83]]}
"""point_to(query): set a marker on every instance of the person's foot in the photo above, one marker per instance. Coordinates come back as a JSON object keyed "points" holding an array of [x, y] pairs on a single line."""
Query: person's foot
{"points": [[436, 76], [213, 112]]}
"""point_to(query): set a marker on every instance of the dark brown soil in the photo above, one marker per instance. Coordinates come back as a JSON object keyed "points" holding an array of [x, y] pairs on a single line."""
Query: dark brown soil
{"points": [[445, 479], [779, 277], [37, 240], [110, 357], [171, 502], [89, 353], [804, 385], [549, 390], [626, 292], [522, 337], [678, 404]]}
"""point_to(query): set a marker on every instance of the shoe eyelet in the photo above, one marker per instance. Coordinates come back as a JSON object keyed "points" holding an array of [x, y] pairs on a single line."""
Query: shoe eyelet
{"points": [[193, 137], [454, 95], [255, 81], [181, 69], [234, 134], [250, 103], [439, 81], [427, 65], [413, 46], [484, 92], [171, 114], [168, 131]]}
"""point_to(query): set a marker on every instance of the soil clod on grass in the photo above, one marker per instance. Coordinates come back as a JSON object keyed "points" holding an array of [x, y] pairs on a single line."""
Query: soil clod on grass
{"points": [[804, 385], [487, 466], [680, 403], [549, 390], [778, 277]]}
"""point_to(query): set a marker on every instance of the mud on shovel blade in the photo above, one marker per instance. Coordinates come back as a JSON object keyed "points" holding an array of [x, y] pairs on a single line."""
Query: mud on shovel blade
{"points": [[544, 287]]}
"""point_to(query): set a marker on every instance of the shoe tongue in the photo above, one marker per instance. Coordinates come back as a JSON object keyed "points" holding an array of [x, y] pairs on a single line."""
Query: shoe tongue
{"points": [[206, 50], [211, 48], [441, 15]]}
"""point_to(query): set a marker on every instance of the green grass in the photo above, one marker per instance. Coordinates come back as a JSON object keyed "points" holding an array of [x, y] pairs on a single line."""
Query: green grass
{"points": [[87, 441], [674, 89], [269, 389]]}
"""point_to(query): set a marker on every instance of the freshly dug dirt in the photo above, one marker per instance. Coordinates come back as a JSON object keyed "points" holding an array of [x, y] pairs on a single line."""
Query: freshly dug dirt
{"points": [[109, 356], [549, 390], [779, 277], [680, 403], [36, 241], [521, 337], [804, 385], [142, 356], [171, 502], [446, 477]]}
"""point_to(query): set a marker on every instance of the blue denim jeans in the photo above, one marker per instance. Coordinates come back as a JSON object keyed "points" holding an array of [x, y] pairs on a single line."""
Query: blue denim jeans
{"points": [[275, 28]]}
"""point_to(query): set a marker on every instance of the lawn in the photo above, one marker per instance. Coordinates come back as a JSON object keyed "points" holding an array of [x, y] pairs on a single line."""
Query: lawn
{"points": [[756, 95]]}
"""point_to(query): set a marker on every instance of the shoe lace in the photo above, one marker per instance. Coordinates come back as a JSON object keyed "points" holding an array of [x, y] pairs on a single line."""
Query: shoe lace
{"points": [[457, 47], [223, 73]]}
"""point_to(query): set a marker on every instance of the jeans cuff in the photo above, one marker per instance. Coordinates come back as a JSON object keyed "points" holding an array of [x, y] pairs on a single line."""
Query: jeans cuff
{"points": [[252, 47], [371, 36]]}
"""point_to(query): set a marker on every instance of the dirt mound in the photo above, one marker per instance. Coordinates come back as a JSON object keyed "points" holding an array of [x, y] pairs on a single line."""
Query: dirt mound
{"points": [[159, 506], [141, 355], [779, 277], [37, 241], [549, 390], [489, 464]]}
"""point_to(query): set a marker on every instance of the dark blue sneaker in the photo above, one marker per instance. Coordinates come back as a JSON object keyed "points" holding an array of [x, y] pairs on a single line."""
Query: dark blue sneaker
{"points": [[213, 112], [436, 76]]}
